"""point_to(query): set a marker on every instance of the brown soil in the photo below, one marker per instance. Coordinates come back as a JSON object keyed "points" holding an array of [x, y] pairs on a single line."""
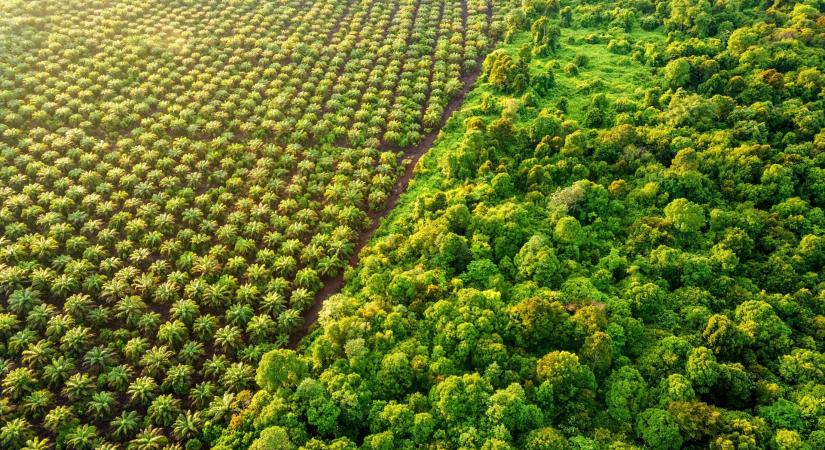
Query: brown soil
{"points": [[333, 285]]}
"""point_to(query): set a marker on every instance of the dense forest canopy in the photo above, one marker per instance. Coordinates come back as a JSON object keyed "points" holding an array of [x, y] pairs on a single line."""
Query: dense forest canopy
{"points": [[617, 243]]}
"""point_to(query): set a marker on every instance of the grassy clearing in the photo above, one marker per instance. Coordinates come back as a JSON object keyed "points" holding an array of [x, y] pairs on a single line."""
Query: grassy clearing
{"points": [[606, 72]]}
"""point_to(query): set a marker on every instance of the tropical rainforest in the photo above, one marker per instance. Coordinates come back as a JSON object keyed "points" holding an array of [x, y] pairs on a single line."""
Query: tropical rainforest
{"points": [[616, 240]]}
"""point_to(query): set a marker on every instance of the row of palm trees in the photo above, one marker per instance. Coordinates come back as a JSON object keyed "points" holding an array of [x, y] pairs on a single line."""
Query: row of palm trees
{"points": [[177, 179], [225, 274], [351, 74]]}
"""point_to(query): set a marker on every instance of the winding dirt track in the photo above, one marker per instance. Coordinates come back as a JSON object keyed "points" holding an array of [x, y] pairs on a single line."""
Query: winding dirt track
{"points": [[333, 285]]}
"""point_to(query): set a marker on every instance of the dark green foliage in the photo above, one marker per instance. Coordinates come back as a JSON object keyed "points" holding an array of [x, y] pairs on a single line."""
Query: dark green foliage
{"points": [[505, 72], [641, 268], [545, 37], [599, 112], [279, 368], [658, 430]]}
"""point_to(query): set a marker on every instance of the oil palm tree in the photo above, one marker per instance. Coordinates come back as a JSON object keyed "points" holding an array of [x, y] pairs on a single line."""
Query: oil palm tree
{"points": [[78, 306], [142, 390], [135, 348], [82, 437], [78, 387], [101, 405], [125, 425], [21, 301], [58, 370], [150, 438], [308, 278], [36, 404], [99, 316], [14, 433], [59, 417], [261, 328], [186, 310], [76, 339], [63, 285], [165, 293], [228, 338], [191, 352], [285, 265], [19, 382], [187, 425], [239, 314], [58, 325], [289, 320], [117, 378], [98, 359], [215, 366], [173, 333], [163, 410], [217, 294], [177, 379], [21, 340], [130, 309], [328, 266], [38, 317], [300, 299], [205, 326], [8, 324], [238, 376], [272, 303], [149, 322], [37, 443], [202, 394], [38, 353]]}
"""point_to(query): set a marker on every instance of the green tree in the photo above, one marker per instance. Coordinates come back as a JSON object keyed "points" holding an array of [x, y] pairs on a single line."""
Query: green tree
{"points": [[509, 407], [461, 399], [272, 438], [686, 216], [677, 73], [541, 322], [568, 230], [626, 394], [568, 377], [537, 261], [599, 112], [702, 369], [280, 368], [506, 73], [723, 336], [658, 429], [537, 8], [545, 37], [597, 352], [544, 125], [765, 331], [546, 438]]}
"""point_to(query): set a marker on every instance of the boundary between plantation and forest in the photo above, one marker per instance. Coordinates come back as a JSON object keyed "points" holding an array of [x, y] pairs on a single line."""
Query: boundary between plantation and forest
{"points": [[333, 284]]}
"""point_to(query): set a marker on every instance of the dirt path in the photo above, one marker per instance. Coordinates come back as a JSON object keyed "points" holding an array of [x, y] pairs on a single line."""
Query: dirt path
{"points": [[333, 285]]}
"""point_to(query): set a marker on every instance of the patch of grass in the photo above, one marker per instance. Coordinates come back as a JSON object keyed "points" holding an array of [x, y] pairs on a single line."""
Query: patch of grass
{"points": [[606, 72]]}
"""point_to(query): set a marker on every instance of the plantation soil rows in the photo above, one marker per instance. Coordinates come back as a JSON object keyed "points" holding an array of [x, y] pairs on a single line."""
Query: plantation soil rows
{"points": [[182, 182]]}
